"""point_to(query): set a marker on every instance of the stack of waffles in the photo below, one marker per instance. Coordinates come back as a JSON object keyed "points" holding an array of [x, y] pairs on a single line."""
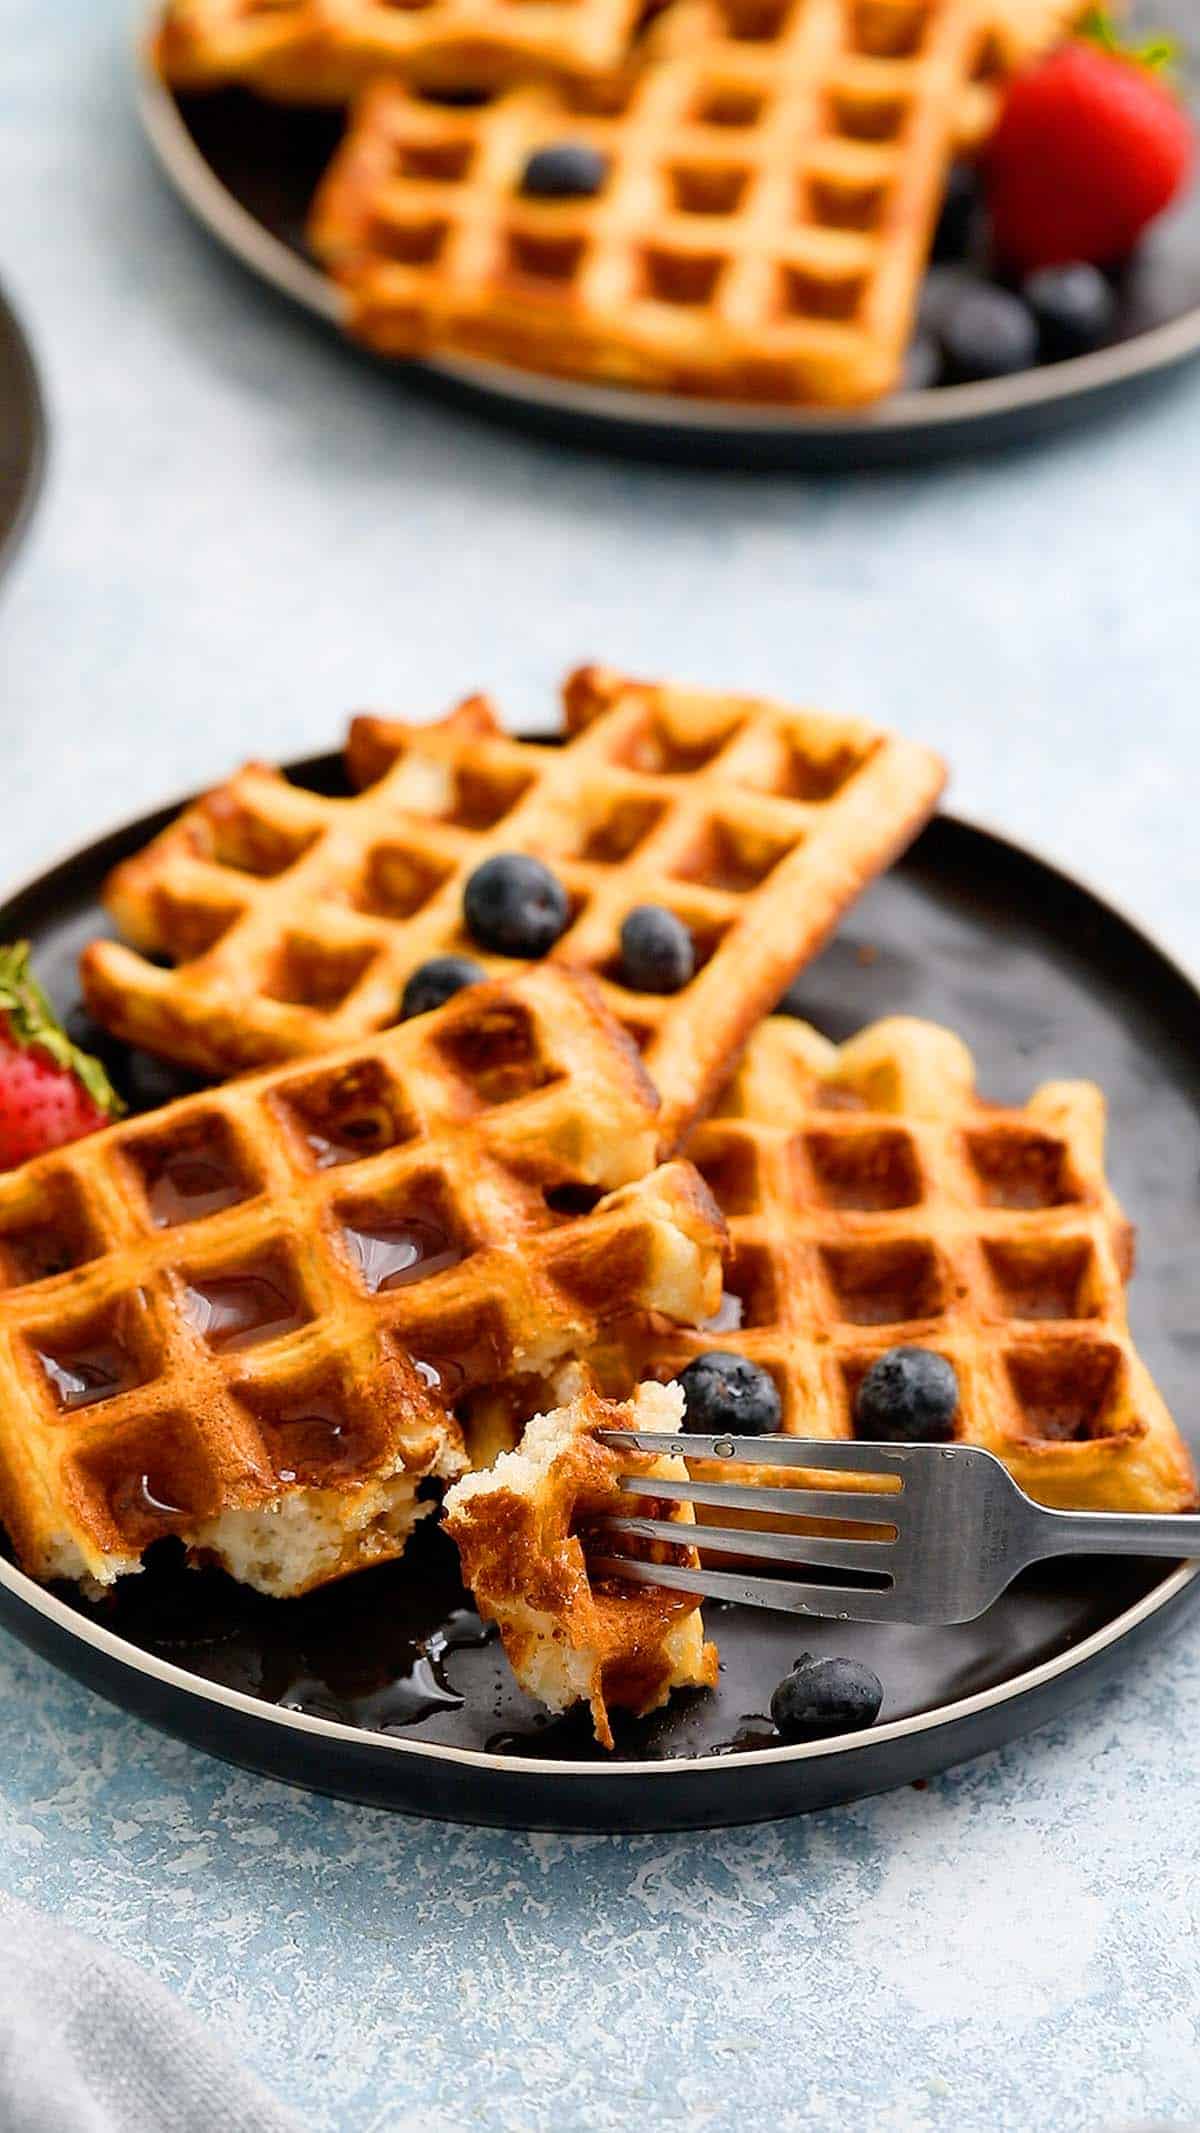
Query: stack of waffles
{"points": [[762, 178], [384, 1250]]}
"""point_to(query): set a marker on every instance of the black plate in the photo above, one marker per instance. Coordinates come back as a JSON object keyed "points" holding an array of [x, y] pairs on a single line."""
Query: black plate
{"points": [[384, 1688], [22, 433], [247, 168]]}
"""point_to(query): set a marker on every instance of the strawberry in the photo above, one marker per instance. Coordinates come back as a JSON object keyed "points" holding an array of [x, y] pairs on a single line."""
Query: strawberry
{"points": [[49, 1091], [1091, 145]]}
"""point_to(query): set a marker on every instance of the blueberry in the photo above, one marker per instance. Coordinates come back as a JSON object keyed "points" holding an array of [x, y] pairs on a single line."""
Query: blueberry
{"points": [[1074, 307], [435, 982], [567, 170], [727, 1392], [657, 951], [987, 333], [960, 214], [909, 1396], [515, 906], [824, 1696]]}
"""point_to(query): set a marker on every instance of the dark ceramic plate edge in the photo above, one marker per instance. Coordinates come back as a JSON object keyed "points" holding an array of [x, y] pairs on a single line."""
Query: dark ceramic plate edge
{"points": [[924, 424], [21, 482], [472, 1785], [529, 1792]]}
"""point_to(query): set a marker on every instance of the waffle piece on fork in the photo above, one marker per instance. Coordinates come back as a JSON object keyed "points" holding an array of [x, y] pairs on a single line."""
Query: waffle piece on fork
{"points": [[874, 1201], [324, 51], [765, 215], [520, 1530], [294, 921], [242, 1320]]}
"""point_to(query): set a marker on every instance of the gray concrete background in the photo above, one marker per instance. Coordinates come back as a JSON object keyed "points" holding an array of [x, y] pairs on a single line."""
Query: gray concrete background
{"points": [[245, 534]]}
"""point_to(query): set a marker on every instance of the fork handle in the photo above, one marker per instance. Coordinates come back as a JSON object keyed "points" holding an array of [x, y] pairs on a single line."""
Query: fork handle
{"points": [[1112, 1533]]}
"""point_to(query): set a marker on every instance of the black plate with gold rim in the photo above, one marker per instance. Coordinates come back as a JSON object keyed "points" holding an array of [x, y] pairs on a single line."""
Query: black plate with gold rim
{"points": [[385, 1689], [247, 169]]}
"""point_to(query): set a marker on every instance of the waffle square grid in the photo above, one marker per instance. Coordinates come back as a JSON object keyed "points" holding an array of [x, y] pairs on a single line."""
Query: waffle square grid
{"points": [[761, 233], [293, 921], [873, 1200], [323, 51], [258, 1299]]}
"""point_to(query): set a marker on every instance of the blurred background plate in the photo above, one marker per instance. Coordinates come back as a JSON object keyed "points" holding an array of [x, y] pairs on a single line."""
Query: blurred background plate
{"points": [[248, 168], [22, 432]]}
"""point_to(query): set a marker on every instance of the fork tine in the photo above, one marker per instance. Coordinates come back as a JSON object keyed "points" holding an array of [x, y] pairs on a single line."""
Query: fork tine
{"points": [[816, 1452], [784, 1595], [870, 1509], [866, 1555]]}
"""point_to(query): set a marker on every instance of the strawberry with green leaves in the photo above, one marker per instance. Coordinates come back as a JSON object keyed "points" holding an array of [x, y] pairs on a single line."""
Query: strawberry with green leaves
{"points": [[1091, 145], [50, 1092]]}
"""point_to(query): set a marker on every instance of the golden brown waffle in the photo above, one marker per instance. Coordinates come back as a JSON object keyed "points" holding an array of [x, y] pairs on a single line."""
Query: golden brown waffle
{"points": [[228, 1321], [761, 233], [518, 1529], [323, 51], [295, 920], [873, 1200], [1017, 33], [1012, 33]]}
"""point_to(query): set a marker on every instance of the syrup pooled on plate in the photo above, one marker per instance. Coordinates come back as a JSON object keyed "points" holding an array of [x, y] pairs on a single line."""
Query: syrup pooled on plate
{"points": [[418, 1688]]}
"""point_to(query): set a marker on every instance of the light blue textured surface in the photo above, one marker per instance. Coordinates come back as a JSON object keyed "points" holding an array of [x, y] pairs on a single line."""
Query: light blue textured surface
{"points": [[245, 533]]}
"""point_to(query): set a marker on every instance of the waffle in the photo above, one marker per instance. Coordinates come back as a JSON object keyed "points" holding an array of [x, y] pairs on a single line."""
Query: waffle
{"points": [[323, 51], [517, 1530], [1017, 33], [761, 235], [1012, 33], [873, 1200], [295, 920], [241, 1319]]}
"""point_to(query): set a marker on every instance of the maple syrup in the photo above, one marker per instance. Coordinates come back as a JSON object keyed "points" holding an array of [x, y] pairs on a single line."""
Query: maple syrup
{"points": [[728, 1315], [315, 1442], [239, 1310], [465, 1355], [395, 1254], [87, 1375], [350, 1140], [148, 1497], [416, 1687], [37, 1253], [186, 1184]]}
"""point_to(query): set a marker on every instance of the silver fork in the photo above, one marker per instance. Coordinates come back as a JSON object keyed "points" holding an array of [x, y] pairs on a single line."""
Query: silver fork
{"points": [[961, 1528]]}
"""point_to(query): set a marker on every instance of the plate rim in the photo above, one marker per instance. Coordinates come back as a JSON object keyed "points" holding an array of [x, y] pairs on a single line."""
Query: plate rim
{"points": [[1069, 383], [32, 484], [80, 1629]]}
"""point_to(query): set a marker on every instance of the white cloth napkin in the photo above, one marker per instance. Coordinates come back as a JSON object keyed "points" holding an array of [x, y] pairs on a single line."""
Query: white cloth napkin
{"points": [[90, 2044]]}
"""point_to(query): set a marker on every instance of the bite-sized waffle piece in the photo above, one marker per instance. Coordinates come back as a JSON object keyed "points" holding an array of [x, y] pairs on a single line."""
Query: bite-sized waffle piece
{"points": [[760, 234], [323, 51], [240, 1319], [295, 920], [518, 1530], [874, 1201]]}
